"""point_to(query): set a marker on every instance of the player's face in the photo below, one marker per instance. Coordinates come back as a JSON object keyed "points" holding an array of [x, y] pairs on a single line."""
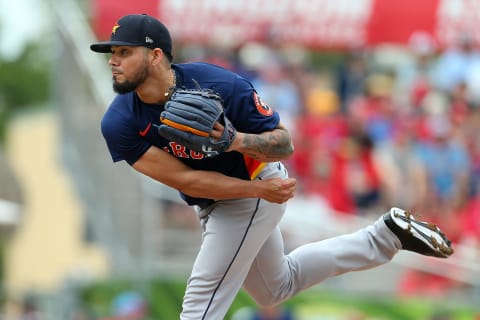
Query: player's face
{"points": [[129, 68]]}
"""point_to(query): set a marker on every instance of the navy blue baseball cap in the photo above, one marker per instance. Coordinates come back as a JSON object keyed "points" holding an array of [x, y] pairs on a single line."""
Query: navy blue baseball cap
{"points": [[137, 30]]}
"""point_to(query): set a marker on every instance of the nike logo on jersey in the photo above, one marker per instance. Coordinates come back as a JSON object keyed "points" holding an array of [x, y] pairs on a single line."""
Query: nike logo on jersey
{"points": [[144, 132]]}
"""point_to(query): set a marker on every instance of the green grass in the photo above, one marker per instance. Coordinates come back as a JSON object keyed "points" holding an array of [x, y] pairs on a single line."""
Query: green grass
{"points": [[165, 299]]}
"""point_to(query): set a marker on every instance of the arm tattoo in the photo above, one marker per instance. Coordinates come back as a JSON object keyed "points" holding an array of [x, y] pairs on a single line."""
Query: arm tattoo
{"points": [[271, 145]]}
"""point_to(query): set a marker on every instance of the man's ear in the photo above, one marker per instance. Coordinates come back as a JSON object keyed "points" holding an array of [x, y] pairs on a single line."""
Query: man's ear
{"points": [[157, 56]]}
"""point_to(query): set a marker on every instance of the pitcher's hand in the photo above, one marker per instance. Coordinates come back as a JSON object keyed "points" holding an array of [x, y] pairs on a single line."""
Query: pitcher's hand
{"points": [[276, 190]]}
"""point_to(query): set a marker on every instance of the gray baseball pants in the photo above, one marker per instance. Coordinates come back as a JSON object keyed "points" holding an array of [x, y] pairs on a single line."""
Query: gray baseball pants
{"points": [[242, 247]]}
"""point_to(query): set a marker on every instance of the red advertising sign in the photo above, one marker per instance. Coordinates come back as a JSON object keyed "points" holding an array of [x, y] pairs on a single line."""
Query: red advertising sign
{"points": [[308, 22], [395, 21], [313, 23], [105, 13]]}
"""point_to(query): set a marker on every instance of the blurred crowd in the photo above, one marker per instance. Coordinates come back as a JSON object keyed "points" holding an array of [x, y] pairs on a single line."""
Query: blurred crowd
{"points": [[375, 127]]}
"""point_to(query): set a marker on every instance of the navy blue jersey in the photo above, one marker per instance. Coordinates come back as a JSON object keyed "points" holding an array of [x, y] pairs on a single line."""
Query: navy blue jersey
{"points": [[129, 125]]}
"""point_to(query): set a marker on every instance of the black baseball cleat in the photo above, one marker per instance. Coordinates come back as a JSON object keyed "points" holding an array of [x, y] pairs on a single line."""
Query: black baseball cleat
{"points": [[417, 236]]}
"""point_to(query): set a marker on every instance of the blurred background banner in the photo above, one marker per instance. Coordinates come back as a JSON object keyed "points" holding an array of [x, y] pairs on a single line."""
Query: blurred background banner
{"points": [[313, 23]]}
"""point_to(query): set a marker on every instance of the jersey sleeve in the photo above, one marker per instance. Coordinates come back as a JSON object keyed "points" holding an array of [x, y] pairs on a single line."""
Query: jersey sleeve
{"points": [[248, 112], [122, 139]]}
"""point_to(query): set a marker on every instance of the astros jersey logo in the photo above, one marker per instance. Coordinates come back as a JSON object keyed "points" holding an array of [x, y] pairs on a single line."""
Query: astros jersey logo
{"points": [[262, 107], [115, 27]]}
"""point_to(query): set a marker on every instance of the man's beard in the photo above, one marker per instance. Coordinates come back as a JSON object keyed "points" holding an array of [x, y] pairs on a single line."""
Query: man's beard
{"points": [[131, 85]]}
